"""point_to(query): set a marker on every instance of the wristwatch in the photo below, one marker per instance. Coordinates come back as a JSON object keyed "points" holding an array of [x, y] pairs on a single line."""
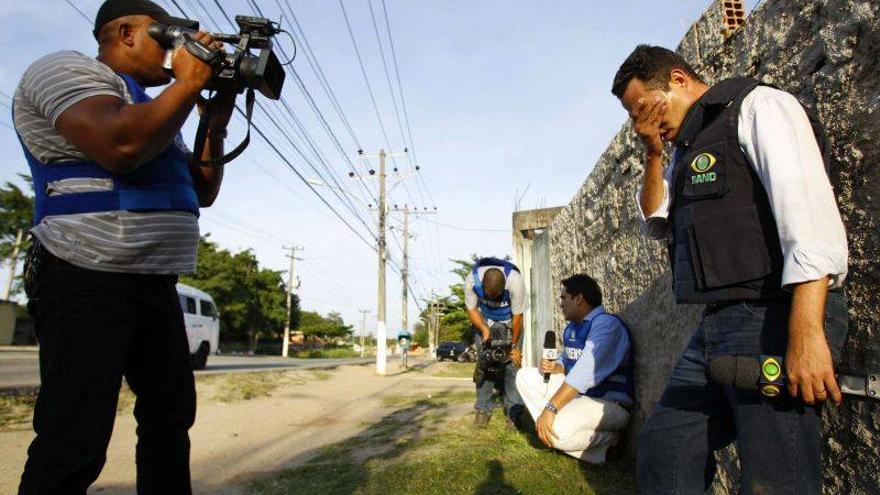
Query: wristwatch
{"points": [[550, 407]]}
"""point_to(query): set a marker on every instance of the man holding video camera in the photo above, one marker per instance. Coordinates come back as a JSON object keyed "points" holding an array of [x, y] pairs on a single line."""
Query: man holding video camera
{"points": [[117, 198], [495, 298], [754, 233]]}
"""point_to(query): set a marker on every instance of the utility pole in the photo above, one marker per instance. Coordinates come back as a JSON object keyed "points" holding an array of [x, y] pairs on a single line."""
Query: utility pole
{"points": [[404, 272], [435, 309], [364, 312], [381, 340], [13, 263], [381, 329], [285, 345]]}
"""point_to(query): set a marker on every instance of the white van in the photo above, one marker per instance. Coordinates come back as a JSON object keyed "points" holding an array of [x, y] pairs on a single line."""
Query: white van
{"points": [[202, 323]]}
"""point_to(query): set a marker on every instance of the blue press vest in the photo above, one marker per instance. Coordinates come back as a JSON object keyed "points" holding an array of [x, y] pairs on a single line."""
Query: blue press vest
{"points": [[163, 183], [574, 339], [493, 310]]}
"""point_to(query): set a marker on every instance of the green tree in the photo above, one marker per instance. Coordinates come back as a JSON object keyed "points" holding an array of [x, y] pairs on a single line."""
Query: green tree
{"points": [[252, 301], [295, 311], [16, 212], [330, 327], [455, 324], [420, 333]]}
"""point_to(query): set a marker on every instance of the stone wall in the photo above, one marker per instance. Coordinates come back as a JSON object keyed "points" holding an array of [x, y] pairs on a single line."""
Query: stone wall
{"points": [[828, 54]]}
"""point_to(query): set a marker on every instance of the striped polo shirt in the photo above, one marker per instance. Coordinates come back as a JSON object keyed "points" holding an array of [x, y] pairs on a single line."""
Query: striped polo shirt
{"points": [[117, 241]]}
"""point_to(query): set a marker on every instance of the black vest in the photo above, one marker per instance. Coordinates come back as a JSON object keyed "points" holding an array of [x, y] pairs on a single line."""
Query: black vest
{"points": [[725, 245]]}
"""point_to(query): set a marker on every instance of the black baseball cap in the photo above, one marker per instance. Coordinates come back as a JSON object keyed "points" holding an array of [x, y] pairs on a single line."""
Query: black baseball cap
{"points": [[114, 9]]}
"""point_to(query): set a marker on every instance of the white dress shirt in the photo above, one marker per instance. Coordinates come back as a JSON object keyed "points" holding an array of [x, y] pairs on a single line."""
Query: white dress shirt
{"points": [[777, 139]]}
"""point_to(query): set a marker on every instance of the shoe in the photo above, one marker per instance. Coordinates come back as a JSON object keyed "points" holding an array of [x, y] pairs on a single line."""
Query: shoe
{"points": [[514, 423], [510, 425], [615, 451], [481, 420]]}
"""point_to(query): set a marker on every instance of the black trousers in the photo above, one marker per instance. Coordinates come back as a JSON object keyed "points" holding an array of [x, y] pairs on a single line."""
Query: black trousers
{"points": [[94, 328]]}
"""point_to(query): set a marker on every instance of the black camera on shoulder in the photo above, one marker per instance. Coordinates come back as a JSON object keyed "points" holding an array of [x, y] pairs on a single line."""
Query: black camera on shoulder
{"points": [[494, 354], [236, 71]]}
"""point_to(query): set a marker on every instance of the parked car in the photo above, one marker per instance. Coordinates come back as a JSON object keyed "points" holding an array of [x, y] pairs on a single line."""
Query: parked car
{"points": [[202, 324], [456, 351]]}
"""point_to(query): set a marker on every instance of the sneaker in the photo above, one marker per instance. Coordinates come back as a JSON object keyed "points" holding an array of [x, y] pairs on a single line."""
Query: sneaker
{"points": [[481, 420]]}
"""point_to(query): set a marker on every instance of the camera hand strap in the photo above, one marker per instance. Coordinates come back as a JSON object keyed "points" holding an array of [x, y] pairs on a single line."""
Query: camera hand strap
{"points": [[202, 135]]}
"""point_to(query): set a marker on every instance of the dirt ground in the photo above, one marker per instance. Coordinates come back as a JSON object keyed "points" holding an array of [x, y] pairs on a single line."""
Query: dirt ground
{"points": [[252, 424]]}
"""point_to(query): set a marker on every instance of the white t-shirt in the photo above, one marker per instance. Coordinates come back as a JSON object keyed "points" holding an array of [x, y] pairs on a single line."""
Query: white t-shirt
{"points": [[519, 300]]}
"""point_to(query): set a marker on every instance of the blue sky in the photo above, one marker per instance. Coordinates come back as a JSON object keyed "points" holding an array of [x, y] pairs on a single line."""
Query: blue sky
{"points": [[505, 99]]}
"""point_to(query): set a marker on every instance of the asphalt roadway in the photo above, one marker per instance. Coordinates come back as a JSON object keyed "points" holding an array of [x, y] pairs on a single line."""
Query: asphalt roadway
{"points": [[20, 367]]}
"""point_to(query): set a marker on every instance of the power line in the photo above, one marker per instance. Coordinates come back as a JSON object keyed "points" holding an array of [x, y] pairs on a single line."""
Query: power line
{"points": [[287, 137], [467, 229], [80, 12], [366, 80], [346, 200], [208, 13], [306, 182], [256, 8], [303, 134], [319, 72], [317, 112], [420, 182], [387, 74]]}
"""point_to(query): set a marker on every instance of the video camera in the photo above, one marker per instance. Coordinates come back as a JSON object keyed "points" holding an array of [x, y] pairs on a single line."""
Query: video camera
{"points": [[236, 71], [494, 354]]}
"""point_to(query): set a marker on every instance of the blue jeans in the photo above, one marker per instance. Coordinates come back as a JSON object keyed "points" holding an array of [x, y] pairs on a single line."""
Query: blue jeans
{"points": [[777, 439], [513, 403]]}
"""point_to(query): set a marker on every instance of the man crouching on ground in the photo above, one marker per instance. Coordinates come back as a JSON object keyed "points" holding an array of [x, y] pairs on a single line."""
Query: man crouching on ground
{"points": [[495, 297], [581, 410]]}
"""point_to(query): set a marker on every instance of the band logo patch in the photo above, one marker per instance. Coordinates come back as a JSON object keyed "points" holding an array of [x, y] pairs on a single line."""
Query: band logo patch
{"points": [[702, 165]]}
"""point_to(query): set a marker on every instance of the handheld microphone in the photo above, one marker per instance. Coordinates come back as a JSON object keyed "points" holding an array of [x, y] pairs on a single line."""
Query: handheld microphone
{"points": [[549, 350], [767, 375]]}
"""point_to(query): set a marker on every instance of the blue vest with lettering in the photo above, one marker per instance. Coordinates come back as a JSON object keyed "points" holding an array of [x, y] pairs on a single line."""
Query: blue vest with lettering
{"points": [[163, 183], [493, 310], [574, 339]]}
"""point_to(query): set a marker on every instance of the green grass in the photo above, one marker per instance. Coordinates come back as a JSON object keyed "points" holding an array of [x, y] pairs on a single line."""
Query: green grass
{"points": [[418, 450], [326, 354], [453, 370], [441, 399], [17, 407], [236, 387], [16, 410]]}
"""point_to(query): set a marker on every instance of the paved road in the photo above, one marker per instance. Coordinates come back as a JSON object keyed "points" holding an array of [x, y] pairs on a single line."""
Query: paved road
{"points": [[21, 368]]}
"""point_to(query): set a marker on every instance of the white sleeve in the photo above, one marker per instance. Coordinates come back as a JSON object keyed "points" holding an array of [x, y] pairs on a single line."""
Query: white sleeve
{"points": [[470, 297], [519, 298], [777, 138], [656, 224]]}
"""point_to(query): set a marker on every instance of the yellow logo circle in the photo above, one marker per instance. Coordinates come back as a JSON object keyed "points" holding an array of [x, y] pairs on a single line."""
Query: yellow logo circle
{"points": [[770, 390], [703, 162]]}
